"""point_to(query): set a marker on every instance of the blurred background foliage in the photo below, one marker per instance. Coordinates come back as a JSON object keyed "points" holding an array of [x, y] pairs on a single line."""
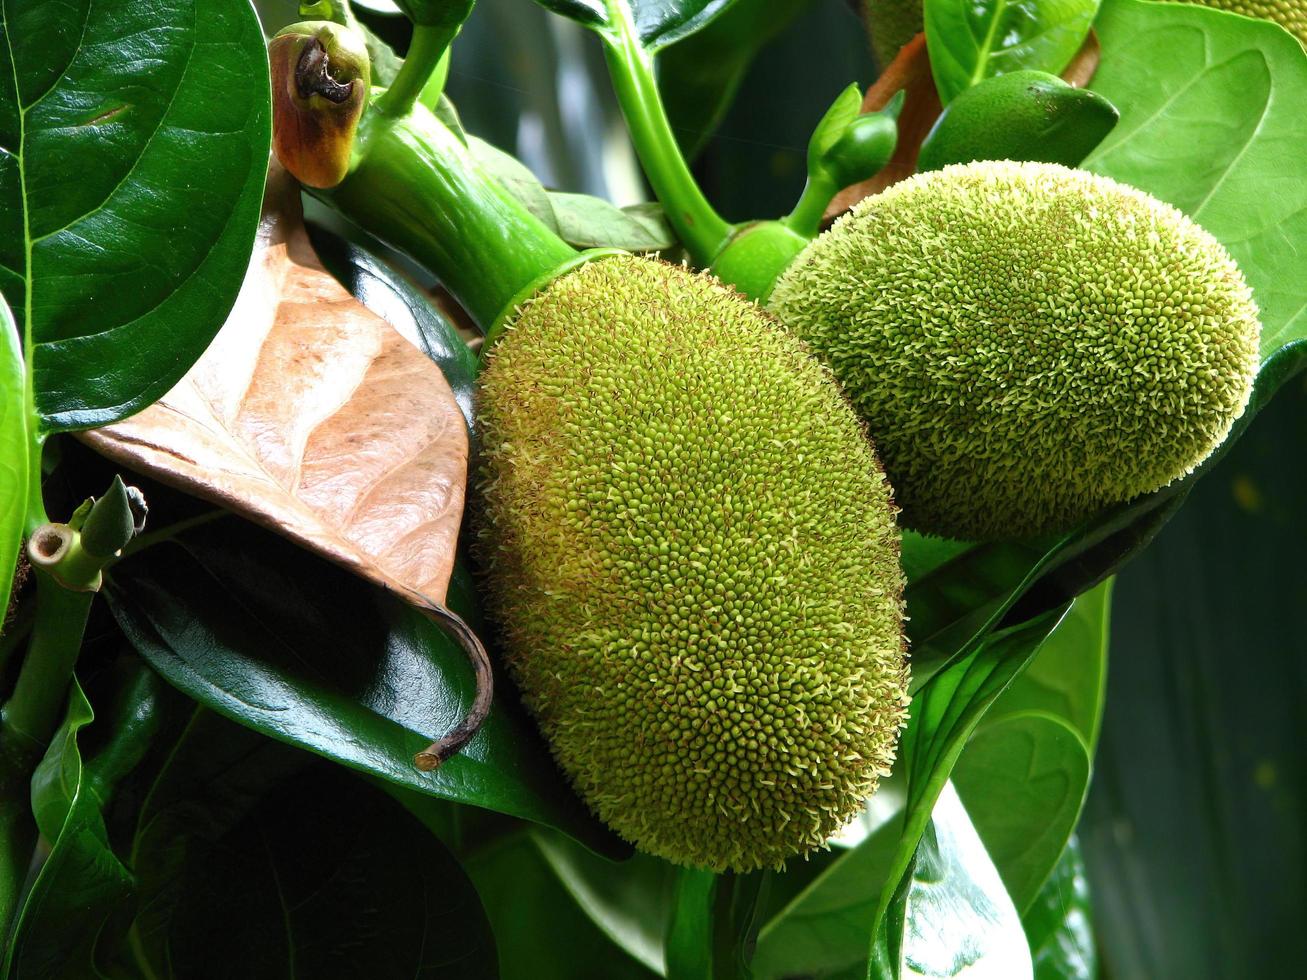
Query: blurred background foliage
{"points": [[1193, 836]]}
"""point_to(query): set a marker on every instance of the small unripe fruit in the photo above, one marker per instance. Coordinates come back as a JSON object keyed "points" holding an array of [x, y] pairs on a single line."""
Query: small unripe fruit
{"points": [[1289, 14], [320, 83], [692, 552], [1027, 343]]}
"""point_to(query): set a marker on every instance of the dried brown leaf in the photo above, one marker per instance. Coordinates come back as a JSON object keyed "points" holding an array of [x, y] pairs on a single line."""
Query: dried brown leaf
{"points": [[313, 416]]}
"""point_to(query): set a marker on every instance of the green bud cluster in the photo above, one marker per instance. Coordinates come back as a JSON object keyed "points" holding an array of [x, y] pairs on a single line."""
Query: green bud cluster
{"points": [[1027, 343], [693, 556]]}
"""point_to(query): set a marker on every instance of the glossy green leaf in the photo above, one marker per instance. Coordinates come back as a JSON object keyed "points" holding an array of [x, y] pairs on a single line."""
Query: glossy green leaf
{"points": [[714, 924], [690, 931], [279, 640], [1025, 115], [959, 920], [1215, 128], [1059, 925], [14, 453], [630, 902], [1193, 833], [656, 23], [539, 930], [133, 145], [700, 77], [971, 40], [254, 860], [72, 919], [82, 880]]}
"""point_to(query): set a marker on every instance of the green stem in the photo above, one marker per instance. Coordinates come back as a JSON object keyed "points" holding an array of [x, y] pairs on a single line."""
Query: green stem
{"points": [[33, 711], [806, 217], [417, 188], [142, 541], [427, 48], [701, 229]]}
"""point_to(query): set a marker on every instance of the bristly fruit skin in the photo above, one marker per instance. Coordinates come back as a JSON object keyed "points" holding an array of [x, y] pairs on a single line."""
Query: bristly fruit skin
{"points": [[1289, 14], [693, 556], [1027, 343]]}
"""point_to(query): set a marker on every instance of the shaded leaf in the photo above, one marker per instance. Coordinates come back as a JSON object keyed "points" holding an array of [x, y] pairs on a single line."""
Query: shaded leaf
{"points": [[276, 639], [592, 222], [254, 861], [1215, 128], [312, 416], [540, 931], [975, 40], [135, 137]]}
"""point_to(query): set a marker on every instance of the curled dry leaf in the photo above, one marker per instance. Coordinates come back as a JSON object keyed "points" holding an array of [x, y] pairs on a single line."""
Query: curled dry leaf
{"points": [[910, 72], [313, 416]]}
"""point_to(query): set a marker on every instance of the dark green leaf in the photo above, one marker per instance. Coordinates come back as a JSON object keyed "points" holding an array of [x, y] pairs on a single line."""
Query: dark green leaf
{"points": [[253, 863], [1215, 128], [133, 145], [1026, 115], [714, 924], [1059, 926], [629, 902], [958, 918], [1193, 832], [699, 77], [82, 881], [690, 932], [971, 40], [540, 931], [656, 23], [14, 453], [279, 640]]}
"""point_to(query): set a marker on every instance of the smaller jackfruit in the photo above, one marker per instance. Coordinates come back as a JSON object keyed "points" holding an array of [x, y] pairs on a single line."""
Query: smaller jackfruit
{"points": [[892, 24], [692, 552], [1289, 14], [1027, 343]]}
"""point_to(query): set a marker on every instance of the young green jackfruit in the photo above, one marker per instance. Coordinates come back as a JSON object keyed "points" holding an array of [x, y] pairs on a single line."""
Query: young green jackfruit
{"points": [[693, 557], [1027, 343], [1289, 14]]}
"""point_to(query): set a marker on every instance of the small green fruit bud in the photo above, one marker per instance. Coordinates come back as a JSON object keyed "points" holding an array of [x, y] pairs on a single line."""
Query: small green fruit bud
{"points": [[320, 82]]}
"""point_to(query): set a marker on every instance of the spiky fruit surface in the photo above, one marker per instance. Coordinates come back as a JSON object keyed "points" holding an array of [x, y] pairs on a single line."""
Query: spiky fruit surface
{"points": [[1289, 14], [694, 560], [1028, 343]]}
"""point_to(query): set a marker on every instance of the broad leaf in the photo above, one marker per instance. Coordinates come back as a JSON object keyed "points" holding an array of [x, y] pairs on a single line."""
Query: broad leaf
{"points": [[971, 40], [253, 863], [1025, 772], [654, 23], [1059, 925], [14, 453], [133, 143], [630, 902], [540, 931], [313, 416], [282, 642], [959, 920], [1215, 128], [82, 880]]}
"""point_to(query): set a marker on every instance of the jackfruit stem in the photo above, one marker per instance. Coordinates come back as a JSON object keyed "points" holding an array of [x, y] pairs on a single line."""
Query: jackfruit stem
{"points": [[700, 228], [418, 189], [428, 46]]}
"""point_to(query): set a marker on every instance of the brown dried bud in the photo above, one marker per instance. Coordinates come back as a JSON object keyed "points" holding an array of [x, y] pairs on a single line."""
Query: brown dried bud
{"points": [[320, 83]]}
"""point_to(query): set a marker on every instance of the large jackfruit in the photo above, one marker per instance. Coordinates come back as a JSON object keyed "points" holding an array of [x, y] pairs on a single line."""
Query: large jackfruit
{"points": [[693, 557]]}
